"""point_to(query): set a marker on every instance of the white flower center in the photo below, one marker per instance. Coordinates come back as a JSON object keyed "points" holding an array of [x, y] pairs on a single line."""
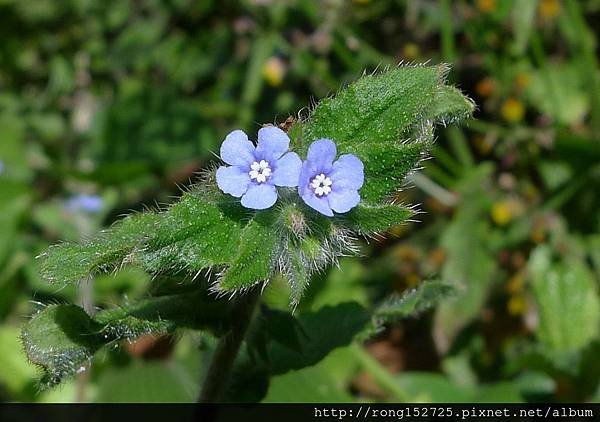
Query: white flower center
{"points": [[321, 184], [260, 171]]}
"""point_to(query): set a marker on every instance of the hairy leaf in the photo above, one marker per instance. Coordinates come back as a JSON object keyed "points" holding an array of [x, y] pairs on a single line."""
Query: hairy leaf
{"points": [[413, 302], [387, 165], [197, 232], [70, 262], [367, 219], [450, 106], [255, 258], [376, 108], [425, 296], [62, 338]]}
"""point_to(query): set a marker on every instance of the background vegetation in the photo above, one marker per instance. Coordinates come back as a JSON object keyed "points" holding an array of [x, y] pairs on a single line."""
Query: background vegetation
{"points": [[110, 107]]}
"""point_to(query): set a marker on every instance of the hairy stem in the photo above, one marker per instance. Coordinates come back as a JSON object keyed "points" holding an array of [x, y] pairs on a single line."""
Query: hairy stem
{"points": [[227, 349]]}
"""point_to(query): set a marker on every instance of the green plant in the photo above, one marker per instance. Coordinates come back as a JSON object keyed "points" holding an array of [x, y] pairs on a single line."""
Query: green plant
{"points": [[210, 257]]}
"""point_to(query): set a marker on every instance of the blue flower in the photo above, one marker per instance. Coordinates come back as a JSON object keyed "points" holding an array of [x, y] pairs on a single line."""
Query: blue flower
{"points": [[85, 203], [1, 167], [255, 171], [329, 186]]}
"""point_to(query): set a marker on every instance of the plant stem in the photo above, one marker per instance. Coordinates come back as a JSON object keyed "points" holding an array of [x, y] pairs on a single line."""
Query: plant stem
{"points": [[381, 376], [227, 349]]}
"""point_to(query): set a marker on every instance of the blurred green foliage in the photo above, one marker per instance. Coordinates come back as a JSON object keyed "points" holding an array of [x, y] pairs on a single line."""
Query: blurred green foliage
{"points": [[126, 100]]}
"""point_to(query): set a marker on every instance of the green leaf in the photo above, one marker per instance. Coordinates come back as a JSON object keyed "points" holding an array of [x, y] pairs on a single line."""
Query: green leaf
{"points": [[255, 259], [428, 387], [315, 335], [397, 307], [197, 232], [163, 314], [368, 219], [470, 264], [70, 262], [427, 295], [309, 385], [387, 165], [451, 106], [249, 380], [62, 338], [147, 382], [567, 299], [372, 116], [559, 91], [376, 108], [343, 283]]}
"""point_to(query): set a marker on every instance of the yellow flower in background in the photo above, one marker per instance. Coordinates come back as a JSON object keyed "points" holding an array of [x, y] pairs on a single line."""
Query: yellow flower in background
{"points": [[274, 71], [516, 283], [549, 9], [512, 110], [517, 305], [502, 213], [486, 6]]}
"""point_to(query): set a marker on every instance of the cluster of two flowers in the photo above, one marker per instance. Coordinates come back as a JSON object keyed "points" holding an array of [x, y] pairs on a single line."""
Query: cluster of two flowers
{"points": [[253, 173]]}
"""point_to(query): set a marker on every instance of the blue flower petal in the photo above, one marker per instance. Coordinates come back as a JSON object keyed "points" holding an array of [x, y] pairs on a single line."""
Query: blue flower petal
{"points": [[260, 197], [288, 170], [343, 200], [307, 172], [319, 204], [237, 150], [321, 154], [348, 172], [272, 142], [233, 180]]}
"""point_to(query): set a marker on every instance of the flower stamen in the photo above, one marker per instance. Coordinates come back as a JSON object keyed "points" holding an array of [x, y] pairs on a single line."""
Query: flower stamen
{"points": [[321, 184], [260, 171]]}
